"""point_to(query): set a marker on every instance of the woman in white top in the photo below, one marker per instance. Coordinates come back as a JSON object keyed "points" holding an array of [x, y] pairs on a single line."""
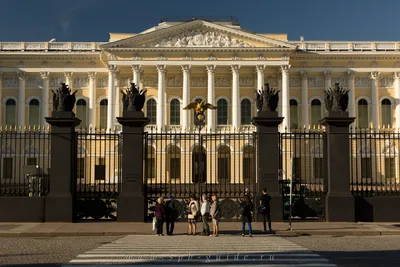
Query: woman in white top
{"points": [[193, 210]]}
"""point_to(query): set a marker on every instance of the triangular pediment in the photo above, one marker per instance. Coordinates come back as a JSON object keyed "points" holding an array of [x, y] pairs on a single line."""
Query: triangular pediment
{"points": [[198, 34]]}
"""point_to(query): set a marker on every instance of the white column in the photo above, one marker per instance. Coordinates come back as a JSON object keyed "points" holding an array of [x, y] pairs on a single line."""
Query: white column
{"points": [[328, 79], [21, 99], [92, 100], [211, 97], [68, 79], [279, 79], [260, 77], [186, 96], [285, 97], [375, 101], [352, 99], [304, 99], [136, 74], [117, 96], [235, 97], [45, 97], [161, 69], [2, 122], [397, 98], [111, 97]]}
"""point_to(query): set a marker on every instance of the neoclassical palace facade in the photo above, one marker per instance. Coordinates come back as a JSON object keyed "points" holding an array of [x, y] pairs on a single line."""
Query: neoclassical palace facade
{"points": [[181, 62]]}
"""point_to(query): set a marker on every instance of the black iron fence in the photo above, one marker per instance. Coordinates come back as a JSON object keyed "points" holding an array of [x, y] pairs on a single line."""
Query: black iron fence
{"points": [[375, 162], [302, 166], [182, 163], [24, 161], [98, 174]]}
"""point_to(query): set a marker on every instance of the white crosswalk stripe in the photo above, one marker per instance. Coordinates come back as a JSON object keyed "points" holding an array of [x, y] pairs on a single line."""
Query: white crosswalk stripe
{"points": [[144, 250]]}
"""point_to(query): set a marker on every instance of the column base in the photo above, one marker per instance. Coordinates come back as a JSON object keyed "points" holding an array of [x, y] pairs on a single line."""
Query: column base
{"points": [[340, 208], [59, 208], [131, 208]]}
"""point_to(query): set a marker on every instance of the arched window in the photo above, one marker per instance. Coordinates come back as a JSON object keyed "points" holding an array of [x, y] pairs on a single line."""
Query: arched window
{"points": [[222, 112], [81, 112], [151, 110], [151, 162], [315, 112], [245, 110], [199, 164], [175, 112], [224, 160], [34, 112], [386, 113], [11, 112], [362, 117], [174, 162], [103, 113], [294, 118], [248, 164]]}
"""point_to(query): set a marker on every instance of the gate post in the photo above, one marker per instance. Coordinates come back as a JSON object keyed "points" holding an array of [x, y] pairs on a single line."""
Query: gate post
{"points": [[268, 160], [339, 201], [59, 201], [131, 201]]}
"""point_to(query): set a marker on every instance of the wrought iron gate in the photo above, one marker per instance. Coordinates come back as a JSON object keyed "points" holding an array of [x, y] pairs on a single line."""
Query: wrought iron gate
{"points": [[181, 163]]}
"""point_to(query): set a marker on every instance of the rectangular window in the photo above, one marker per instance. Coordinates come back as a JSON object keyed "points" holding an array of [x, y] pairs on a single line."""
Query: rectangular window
{"points": [[31, 161], [175, 168], [296, 169], [366, 168], [318, 168], [81, 168], [7, 168], [390, 168]]}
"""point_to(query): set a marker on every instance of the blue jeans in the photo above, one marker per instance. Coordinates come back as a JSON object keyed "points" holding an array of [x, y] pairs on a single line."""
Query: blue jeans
{"points": [[244, 226]]}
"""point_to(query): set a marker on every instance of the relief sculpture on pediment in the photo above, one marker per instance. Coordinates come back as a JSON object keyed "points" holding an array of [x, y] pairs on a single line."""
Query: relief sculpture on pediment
{"points": [[201, 38]]}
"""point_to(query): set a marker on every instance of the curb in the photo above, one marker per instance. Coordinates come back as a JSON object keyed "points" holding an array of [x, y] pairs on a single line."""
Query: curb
{"points": [[277, 233]]}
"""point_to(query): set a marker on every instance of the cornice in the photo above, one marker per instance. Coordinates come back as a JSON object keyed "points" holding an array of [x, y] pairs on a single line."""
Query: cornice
{"points": [[199, 49], [22, 56], [349, 57]]}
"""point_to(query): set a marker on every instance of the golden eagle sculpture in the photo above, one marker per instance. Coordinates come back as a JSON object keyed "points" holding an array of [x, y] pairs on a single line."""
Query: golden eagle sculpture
{"points": [[200, 108]]}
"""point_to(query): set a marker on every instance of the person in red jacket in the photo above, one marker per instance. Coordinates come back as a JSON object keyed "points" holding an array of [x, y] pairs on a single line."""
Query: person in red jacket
{"points": [[160, 215]]}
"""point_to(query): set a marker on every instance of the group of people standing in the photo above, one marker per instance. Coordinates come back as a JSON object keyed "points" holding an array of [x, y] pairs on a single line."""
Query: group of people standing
{"points": [[168, 212]]}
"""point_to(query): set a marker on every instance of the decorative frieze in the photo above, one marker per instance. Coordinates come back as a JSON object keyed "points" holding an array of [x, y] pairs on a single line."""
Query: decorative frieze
{"points": [[271, 79], [247, 81], [124, 81], [342, 80], [222, 81], [34, 81], [81, 81], [10, 81], [56, 80], [362, 81], [316, 80], [175, 81], [386, 81], [150, 81], [198, 81], [102, 82], [294, 81]]}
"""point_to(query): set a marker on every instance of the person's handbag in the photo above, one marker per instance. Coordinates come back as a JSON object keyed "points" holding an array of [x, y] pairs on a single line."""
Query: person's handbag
{"points": [[154, 223], [261, 209]]}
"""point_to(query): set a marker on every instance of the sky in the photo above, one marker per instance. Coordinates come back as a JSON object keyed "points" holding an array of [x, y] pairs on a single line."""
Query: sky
{"points": [[93, 20]]}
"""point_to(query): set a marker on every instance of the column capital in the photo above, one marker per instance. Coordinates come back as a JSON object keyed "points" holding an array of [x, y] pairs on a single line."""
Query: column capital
{"points": [[91, 75], [210, 68], [44, 75], [396, 75], [112, 68], [285, 69], [235, 68], [351, 74], [21, 75], [186, 68], [136, 68], [304, 75], [260, 68], [161, 68], [375, 75], [328, 74], [68, 75]]}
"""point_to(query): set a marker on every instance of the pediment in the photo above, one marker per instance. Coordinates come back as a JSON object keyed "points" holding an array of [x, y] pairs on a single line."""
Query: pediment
{"points": [[198, 34]]}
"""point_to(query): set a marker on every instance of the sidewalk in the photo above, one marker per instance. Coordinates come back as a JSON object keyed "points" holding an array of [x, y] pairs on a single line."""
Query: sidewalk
{"points": [[120, 229]]}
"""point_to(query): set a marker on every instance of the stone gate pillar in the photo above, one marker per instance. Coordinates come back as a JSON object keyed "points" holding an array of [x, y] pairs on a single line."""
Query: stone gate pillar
{"points": [[59, 201], [339, 201], [268, 160], [131, 201]]}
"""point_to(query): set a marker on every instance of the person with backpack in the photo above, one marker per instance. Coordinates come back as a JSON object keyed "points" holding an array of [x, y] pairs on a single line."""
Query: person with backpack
{"points": [[193, 214], [171, 214], [215, 214], [247, 209]]}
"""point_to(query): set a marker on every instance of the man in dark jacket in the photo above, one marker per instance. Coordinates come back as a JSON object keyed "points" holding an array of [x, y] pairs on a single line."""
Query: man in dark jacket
{"points": [[171, 214]]}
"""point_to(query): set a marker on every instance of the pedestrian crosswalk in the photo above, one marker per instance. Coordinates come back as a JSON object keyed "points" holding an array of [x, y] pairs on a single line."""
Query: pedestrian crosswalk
{"points": [[144, 250]]}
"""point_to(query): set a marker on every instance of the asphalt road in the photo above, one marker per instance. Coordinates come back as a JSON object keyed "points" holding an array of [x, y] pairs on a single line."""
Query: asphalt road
{"points": [[343, 251]]}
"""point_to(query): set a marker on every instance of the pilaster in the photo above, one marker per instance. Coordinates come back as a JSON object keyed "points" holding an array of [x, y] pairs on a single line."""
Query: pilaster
{"points": [[92, 100], [374, 99], [235, 97], [45, 97], [161, 69], [21, 99], [186, 96], [285, 97], [211, 97]]}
